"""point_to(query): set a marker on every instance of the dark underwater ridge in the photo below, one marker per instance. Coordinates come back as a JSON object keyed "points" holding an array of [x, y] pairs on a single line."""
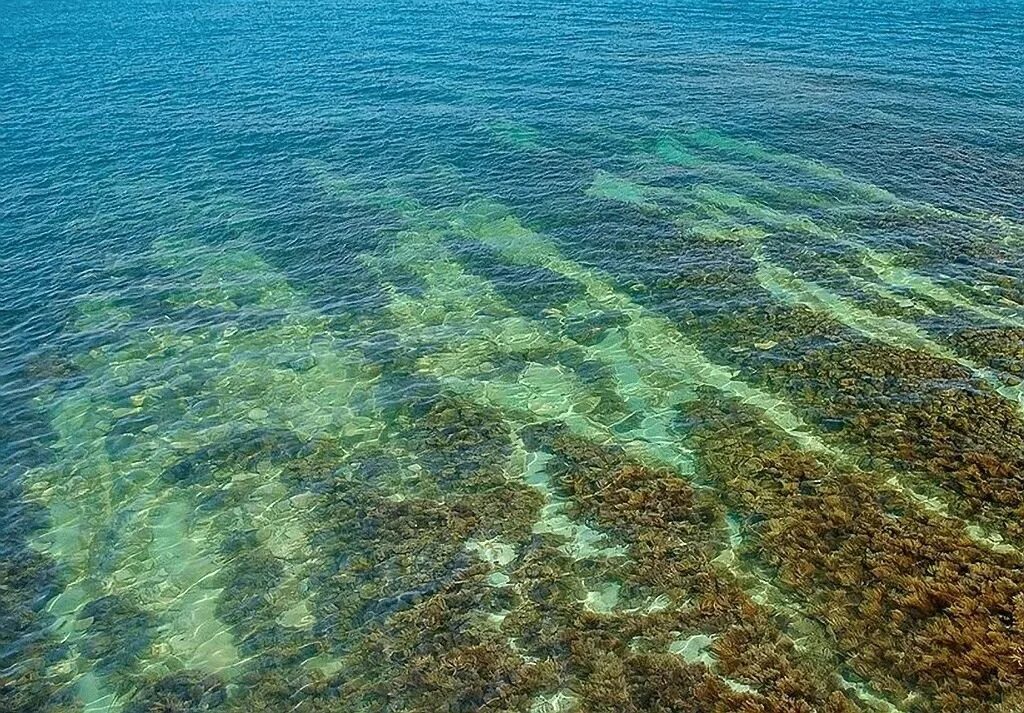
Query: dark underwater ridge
{"points": [[542, 357]]}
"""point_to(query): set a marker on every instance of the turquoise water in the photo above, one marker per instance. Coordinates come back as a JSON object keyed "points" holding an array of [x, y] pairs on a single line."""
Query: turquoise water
{"points": [[547, 358]]}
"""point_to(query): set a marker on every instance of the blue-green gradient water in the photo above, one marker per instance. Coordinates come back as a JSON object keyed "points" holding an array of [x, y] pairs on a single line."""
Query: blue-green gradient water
{"points": [[529, 356]]}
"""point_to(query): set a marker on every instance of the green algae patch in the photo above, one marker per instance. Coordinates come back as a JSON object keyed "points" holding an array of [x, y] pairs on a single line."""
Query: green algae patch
{"points": [[516, 135], [610, 187]]}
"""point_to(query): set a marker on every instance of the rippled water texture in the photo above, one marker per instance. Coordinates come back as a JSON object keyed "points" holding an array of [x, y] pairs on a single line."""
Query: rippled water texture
{"points": [[549, 357]]}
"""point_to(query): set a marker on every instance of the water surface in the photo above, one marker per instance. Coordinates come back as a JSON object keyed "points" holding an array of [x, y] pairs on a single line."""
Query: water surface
{"points": [[454, 357]]}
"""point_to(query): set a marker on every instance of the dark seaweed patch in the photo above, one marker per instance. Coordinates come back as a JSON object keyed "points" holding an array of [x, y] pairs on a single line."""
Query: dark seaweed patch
{"points": [[118, 635], [618, 661], [923, 414], [530, 289], [243, 450], [28, 579], [460, 442], [1000, 348], [182, 692], [249, 575]]}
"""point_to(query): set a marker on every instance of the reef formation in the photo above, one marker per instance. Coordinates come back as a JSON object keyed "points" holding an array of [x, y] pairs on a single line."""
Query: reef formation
{"points": [[519, 479]]}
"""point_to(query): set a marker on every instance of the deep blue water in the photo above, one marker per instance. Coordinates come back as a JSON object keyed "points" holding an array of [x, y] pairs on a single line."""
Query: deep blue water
{"points": [[174, 174]]}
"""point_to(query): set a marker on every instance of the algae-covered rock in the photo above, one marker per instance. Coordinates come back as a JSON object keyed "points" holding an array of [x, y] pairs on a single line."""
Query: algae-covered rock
{"points": [[242, 450], [119, 633], [182, 692], [29, 654]]}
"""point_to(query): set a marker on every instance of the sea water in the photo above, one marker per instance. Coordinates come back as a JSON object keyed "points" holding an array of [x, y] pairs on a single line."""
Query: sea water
{"points": [[526, 357]]}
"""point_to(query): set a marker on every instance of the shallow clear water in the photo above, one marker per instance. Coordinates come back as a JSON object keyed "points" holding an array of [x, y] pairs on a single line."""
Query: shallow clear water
{"points": [[589, 357]]}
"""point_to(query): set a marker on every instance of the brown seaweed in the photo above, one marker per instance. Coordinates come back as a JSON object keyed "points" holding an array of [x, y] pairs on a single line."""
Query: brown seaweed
{"points": [[912, 603]]}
